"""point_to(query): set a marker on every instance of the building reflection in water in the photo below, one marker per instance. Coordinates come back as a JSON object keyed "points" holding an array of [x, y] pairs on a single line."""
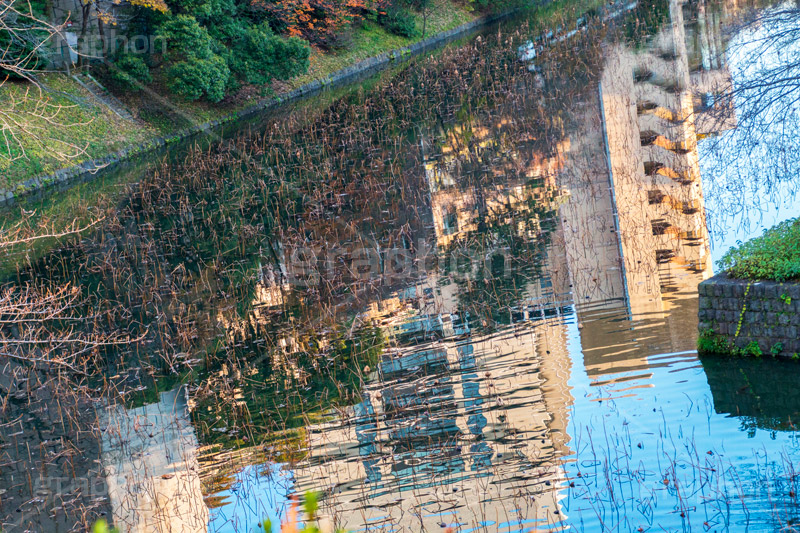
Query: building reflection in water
{"points": [[152, 474], [649, 225], [459, 427], [454, 431]]}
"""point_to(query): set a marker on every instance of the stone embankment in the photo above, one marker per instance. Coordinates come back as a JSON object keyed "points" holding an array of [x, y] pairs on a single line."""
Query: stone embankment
{"points": [[745, 317]]}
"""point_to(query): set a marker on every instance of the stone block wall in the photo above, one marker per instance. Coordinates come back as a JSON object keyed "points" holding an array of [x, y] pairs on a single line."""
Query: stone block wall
{"points": [[749, 317]]}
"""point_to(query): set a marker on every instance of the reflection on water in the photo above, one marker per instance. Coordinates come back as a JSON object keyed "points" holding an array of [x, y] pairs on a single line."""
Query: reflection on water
{"points": [[455, 432], [754, 164], [150, 460], [481, 432], [589, 406], [483, 317], [745, 390], [243, 491]]}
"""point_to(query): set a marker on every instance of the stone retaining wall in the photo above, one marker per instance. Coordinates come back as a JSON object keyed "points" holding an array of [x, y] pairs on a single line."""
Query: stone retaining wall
{"points": [[88, 170], [749, 317]]}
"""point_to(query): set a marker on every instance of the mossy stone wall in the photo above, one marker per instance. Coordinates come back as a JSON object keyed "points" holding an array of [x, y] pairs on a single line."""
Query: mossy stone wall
{"points": [[749, 317]]}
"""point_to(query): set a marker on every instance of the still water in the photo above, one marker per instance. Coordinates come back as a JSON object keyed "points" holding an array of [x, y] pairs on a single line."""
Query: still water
{"points": [[475, 309]]}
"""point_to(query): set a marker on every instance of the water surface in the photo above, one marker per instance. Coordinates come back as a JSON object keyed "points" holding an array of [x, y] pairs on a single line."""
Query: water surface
{"points": [[463, 295]]}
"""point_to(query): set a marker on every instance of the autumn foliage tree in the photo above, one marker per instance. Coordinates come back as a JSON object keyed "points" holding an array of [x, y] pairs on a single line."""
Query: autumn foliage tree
{"points": [[317, 21]]}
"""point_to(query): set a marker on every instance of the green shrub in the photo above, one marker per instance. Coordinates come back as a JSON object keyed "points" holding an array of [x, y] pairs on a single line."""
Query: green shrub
{"points": [[197, 71], [399, 21], [130, 73], [205, 10], [202, 77], [208, 61], [225, 29], [753, 349], [186, 39], [775, 255], [258, 56], [776, 349]]}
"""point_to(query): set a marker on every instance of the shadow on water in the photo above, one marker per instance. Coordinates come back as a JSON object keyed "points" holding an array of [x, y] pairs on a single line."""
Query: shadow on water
{"points": [[746, 389], [463, 295]]}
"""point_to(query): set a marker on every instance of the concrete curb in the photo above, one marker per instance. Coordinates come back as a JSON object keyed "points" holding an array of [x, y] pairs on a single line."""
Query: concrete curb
{"points": [[65, 178]]}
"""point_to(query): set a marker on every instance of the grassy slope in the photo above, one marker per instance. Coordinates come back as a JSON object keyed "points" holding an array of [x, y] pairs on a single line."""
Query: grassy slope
{"points": [[368, 40], [100, 131], [371, 40], [63, 113]]}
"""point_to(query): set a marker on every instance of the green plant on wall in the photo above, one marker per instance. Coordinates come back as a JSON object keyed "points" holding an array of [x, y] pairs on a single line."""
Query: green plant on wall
{"points": [[752, 348], [744, 309], [775, 255], [776, 349], [710, 342]]}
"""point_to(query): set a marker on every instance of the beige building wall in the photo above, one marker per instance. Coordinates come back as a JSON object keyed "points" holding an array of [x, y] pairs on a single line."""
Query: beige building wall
{"points": [[150, 459], [496, 399], [587, 221], [654, 163], [633, 231]]}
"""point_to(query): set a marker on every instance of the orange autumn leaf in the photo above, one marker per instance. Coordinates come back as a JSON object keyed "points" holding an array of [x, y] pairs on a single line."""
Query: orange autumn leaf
{"points": [[318, 20]]}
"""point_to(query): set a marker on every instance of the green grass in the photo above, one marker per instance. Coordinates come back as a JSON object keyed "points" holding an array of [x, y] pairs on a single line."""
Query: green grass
{"points": [[60, 126], [98, 131], [165, 112], [775, 255], [371, 39]]}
